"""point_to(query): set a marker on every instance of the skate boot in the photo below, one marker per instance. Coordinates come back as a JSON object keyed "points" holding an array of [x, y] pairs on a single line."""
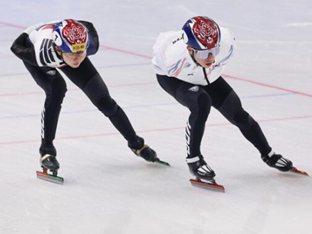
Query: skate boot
{"points": [[142, 150], [145, 152], [199, 168], [277, 161], [49, 162], [48, 158], [203, 173]]}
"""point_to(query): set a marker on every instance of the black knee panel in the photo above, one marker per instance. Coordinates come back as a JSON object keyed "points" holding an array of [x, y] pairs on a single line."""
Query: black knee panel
{"points": [[98, 93], [204, 104], [242, 119], [198, 102], [232, 109], [58, 90], [107, 106]]}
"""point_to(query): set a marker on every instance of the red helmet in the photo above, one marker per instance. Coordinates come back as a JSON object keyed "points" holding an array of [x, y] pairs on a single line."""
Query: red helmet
{"points": [[201, 33], [70, 36]]}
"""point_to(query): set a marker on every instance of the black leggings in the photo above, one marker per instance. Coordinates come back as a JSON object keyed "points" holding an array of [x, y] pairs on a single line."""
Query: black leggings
{"points": [[199, 99], [90, 82]]}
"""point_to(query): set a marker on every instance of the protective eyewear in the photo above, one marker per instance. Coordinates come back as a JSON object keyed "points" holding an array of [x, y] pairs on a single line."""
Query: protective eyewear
{"points": [[203, 54]]}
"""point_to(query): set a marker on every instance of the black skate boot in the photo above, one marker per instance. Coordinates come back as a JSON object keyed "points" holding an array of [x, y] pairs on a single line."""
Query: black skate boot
{"points": [[203, 173], [144, 151], [199, 168], [48, 158], [48, 162], [277, 161]]}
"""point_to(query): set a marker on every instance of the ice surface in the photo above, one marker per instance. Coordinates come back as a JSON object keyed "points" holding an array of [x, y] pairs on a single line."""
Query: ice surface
{"points": [[107, 189]]}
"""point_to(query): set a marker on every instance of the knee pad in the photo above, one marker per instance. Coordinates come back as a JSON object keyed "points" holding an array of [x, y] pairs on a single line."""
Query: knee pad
{"points": [[98, 93], [58, 90], [197, 101], [242, 119], [107, 106], [202, 104], [232, 109]]}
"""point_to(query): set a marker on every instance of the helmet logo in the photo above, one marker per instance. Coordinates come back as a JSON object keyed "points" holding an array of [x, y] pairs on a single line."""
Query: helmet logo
{"points": [[70, 36], [74, 33], [206, 32]]}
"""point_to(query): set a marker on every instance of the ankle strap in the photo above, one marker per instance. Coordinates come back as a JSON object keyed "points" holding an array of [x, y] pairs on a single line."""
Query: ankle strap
{"points": [[192, 160], [271, 153]]}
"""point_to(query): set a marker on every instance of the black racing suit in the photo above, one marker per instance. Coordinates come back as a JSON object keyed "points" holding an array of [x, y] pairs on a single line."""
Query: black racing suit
{"points": [[199, 99]]}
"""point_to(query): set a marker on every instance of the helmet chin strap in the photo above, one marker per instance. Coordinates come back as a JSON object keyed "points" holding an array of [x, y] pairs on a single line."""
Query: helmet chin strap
{"points": [[58, 51], [192, 54], [204, 69]]}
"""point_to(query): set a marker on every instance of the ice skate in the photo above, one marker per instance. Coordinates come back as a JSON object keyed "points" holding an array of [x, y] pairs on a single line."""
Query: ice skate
{"points": [[279, 162], [203, 173], [49, 163], [199, 168], [146, 152]]}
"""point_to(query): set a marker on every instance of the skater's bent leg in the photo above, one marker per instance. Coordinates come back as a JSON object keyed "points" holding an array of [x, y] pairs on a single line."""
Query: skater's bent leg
{"points": [[54, 86], [199, 104], [197, 100], [51, 111]]}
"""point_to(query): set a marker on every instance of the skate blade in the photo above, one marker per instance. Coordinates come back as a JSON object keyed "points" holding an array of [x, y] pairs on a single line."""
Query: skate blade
{"points": [[162, 163], [45, 176], [207, 185], [300, 172]]}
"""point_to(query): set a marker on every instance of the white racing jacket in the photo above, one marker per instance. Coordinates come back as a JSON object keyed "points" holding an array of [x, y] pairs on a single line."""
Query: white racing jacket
{"points": [[35, 45], [171, 58]]}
